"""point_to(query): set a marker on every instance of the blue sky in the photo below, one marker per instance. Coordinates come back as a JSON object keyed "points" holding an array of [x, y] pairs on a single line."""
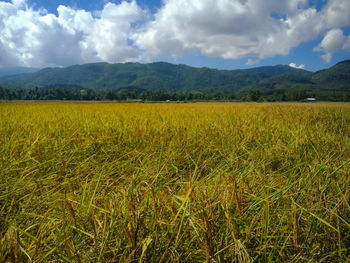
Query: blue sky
{"points": [[90, 5], [225, 34]]}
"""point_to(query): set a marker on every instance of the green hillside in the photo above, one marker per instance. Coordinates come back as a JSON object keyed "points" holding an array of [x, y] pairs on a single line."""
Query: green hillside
{"points": [[153, 76], [162, 81], [16, 71], [277, 70], [338, 75], [330, 84]]}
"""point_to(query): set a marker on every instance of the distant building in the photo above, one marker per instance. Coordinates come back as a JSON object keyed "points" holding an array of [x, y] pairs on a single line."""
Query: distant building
{"points": [[310, 99]]}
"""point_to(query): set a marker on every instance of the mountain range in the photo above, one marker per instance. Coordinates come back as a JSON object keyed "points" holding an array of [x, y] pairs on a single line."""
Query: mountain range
{"points": [[16, 71], [269, 81]]}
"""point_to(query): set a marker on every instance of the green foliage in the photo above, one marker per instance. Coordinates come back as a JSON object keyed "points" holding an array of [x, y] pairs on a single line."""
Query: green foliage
{"points": [[338, 75], [253, 95], [163, 81], [277, 70], [153, 76]]}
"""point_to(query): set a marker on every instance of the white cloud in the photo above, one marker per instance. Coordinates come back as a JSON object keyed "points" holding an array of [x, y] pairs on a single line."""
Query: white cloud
{"points": [[229, 29], [293, 65], [35, 38], [19, 3], [336, 14], [251, 62], [327, 57], [334, 41], [234, 29]]}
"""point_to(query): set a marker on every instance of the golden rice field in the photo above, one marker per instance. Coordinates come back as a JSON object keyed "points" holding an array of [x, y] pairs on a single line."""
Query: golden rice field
{"points": [[201, 182]]}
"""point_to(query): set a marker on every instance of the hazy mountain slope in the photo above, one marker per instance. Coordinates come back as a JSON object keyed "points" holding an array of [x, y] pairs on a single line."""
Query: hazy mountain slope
{"points": [[272, 82], [16, 71], [278, 70], [152, 76], [338, 75]]}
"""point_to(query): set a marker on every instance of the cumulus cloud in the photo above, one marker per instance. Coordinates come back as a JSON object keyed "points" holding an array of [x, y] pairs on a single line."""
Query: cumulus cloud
{"points": [[19, 3], [230, 29], [234, 29], [293, 65], [36, 38], [334, 41]]}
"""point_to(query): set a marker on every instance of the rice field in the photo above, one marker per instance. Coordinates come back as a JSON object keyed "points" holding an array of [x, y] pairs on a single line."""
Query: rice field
{"points": [[167, 182]]}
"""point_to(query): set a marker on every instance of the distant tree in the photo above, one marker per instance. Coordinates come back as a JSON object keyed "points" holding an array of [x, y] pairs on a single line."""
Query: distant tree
{"points": [[296, 94], [253, 95], [110, 95], [3, 93]]}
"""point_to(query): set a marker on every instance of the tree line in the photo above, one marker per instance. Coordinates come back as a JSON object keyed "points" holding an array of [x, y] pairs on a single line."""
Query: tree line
{"points": [[78, 93], [107, 94]]}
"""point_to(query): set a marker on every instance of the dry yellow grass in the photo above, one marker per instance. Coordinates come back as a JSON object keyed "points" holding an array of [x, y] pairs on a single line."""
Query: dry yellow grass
{"points": [[215, 182]]}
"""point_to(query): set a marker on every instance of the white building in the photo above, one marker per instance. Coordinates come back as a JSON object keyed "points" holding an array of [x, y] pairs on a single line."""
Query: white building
{"points": [[310, 99]]}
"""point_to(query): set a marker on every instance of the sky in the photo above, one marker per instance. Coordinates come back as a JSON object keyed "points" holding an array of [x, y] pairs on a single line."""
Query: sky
{"points": [[224, 34]]}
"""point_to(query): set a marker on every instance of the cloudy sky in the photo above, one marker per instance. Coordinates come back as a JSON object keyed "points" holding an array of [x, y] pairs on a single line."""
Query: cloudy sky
{"points": [[229, 34]]}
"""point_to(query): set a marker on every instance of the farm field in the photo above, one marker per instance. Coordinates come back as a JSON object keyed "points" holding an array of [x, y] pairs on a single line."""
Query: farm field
{"points": [[192, 182]]}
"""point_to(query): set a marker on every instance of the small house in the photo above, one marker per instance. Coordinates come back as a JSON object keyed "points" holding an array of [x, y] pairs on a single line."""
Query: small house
{"points": [[310, 99]]}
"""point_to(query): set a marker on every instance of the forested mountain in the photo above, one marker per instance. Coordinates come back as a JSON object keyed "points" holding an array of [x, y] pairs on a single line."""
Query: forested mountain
{"points": [[160, 80], [16, 71], [330, 84], [338, 75], [153, 76], [277, 70]]}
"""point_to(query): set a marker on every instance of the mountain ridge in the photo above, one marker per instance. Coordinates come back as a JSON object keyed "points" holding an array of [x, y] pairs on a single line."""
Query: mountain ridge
{"points": [[16, 70], [161, 74], [268, 82]]}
